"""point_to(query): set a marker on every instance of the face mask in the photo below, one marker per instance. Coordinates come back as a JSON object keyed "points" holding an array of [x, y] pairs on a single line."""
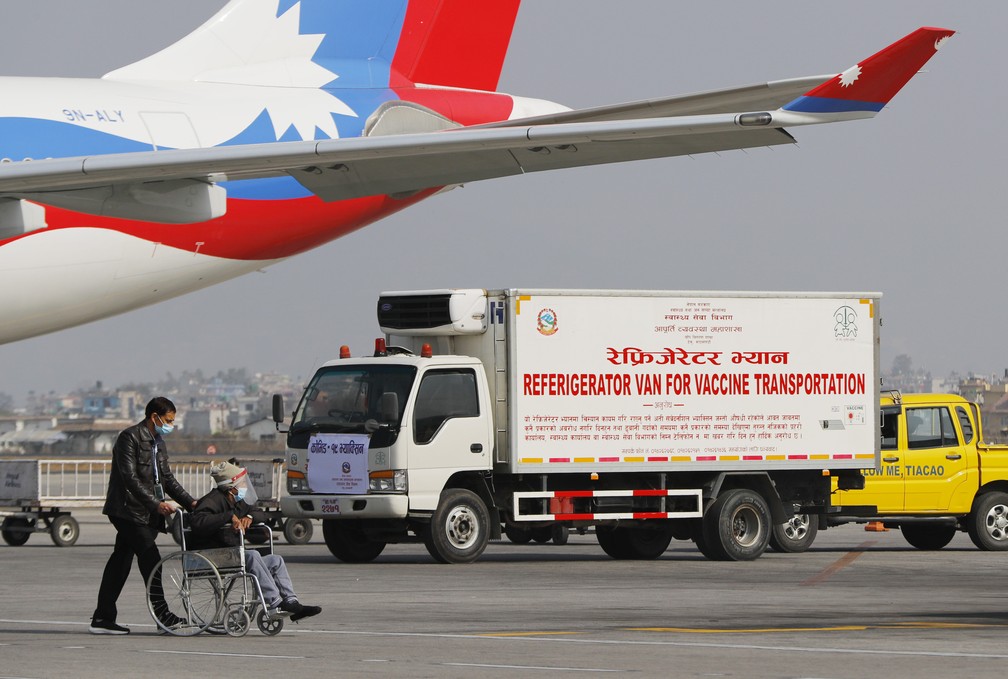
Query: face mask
{"points": [[240, 495], [164, 428]]}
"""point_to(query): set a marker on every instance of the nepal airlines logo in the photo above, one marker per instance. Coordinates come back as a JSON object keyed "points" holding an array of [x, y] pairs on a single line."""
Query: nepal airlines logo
{"points": [[845, 326], [546, 323]]}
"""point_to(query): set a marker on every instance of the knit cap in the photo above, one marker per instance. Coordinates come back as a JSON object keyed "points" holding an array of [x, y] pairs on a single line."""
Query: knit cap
{"points": [[226, 474]]}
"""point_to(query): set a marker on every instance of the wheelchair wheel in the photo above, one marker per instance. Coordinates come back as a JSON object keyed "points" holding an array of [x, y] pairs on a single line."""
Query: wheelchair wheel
{"points": [[270, 626], [192, 593], [237, 621]]}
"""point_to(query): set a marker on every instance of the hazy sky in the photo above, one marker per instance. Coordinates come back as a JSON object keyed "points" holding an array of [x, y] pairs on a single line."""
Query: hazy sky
{"points": [[908, 204]]}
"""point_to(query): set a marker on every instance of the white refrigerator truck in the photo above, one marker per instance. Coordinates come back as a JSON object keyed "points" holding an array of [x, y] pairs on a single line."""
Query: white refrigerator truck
{"points": [[717, 417]]}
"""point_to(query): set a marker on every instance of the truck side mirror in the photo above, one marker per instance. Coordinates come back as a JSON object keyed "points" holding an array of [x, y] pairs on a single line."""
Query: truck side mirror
{"points": [[389, 406], [278, 410]]}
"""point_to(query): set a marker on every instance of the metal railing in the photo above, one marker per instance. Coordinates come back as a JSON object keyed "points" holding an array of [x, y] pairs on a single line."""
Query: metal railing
{"points": [[84, 483]]}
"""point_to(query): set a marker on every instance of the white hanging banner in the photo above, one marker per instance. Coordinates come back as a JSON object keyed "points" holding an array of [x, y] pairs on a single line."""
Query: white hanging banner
{"points": [[338, 463]]}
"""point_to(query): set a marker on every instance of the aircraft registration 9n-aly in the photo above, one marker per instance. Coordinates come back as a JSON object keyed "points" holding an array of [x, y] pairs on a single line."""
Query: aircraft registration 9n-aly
{"points": [[280, 125]]}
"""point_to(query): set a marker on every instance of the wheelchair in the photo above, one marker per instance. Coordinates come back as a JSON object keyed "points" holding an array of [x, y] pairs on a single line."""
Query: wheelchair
{"points": [[210, 590]]}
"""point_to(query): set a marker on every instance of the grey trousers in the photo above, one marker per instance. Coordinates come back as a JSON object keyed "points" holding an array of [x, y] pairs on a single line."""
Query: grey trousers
{"points": [[271, 571]]}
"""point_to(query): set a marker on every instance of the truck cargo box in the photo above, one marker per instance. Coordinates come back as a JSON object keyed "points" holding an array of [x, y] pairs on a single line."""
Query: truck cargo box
{"points": [[641, 380], [692, 380]]}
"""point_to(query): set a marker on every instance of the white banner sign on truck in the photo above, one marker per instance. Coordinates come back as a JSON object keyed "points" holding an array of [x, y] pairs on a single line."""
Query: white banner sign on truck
{"points": [[659, 380], [338, 463]]}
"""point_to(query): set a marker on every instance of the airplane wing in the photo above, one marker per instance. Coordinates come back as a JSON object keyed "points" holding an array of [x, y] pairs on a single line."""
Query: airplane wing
{"points": [[400, 165], [762, 96]]}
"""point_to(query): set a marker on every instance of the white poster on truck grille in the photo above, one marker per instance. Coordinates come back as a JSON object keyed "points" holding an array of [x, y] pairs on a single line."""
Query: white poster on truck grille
{"points": [[619, 381], [338, 464]]}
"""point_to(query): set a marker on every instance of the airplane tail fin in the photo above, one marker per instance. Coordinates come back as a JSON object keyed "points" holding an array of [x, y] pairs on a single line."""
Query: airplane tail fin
{"points": [[867, 87], [356, 43], [457, 43]]}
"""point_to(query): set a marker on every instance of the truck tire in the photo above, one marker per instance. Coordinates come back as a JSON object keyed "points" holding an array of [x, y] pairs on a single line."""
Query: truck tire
{"points": [[348, 544], [542, 535], [645, 542], [613, 542], [460, 527], [519, 536], [15, 531], [928, 535], [737, 525], [298, 531], [701, 544], [64, 530], [987, 524], [795, 536]]}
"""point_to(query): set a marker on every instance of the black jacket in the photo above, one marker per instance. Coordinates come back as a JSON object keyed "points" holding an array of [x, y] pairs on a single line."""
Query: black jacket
{"points": [[210, 522], [131, 482]]}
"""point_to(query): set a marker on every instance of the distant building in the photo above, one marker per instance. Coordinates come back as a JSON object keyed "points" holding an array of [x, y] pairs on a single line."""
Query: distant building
{"points": [[995, 420], [85, 436], [207, 421], [29, 435], [262, 430], [992, 397]]}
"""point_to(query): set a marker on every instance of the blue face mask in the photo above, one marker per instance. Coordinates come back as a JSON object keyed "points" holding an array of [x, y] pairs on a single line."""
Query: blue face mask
{"points": [[240, 495], [164, 428]]}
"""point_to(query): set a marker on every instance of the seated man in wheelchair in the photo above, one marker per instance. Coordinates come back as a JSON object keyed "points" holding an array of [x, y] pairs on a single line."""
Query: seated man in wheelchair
{"points": [[226, 511]]}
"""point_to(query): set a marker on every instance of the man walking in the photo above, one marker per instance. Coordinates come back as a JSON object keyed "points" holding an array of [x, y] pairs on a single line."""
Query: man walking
{"points": [[140, 484]]}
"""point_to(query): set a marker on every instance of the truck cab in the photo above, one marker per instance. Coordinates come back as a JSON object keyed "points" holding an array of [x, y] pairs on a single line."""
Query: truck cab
{"points": [[427, 425]]}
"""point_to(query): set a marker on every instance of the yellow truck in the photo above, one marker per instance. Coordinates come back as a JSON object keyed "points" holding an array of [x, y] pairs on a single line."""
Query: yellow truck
{"points": [[937, 476]]}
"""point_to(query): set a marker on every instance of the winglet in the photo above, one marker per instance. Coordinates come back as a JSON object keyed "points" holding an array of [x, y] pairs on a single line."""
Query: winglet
{"points": [[869, 85]]}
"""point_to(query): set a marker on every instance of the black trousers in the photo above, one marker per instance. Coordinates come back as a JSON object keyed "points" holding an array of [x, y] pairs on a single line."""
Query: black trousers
{"points": [[132, 539]]}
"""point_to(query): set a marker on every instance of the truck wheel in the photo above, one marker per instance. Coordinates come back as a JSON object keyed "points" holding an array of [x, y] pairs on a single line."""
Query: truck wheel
{"points": [[701, 543], [460, 527], [613, 542], [648, 541], [16, 530], [349, 544], [542, 535], [519, 536], [795, 536], [64, 530], [737, 525], [560, 534], [298, 531], [930, 536], [987, 524]]}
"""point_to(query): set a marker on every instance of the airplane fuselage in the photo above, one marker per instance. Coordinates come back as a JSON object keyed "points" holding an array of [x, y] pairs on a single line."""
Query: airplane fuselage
{"points": [[82, 267]]}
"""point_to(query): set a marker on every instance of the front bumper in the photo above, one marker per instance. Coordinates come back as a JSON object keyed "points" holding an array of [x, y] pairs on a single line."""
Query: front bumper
{"points": [[345, 506]]}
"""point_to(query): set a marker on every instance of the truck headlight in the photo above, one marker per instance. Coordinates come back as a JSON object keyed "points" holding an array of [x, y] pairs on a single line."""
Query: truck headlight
{"points": [[388, 481], [296, 482]]}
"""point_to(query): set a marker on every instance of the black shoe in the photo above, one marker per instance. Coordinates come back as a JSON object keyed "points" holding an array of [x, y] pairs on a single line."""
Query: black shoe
{"points": [[106, 627], [305, 612], [291, 606]]}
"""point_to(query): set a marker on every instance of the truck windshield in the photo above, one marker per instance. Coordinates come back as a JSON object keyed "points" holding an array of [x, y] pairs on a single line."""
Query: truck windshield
{"points": [[342, 398]]}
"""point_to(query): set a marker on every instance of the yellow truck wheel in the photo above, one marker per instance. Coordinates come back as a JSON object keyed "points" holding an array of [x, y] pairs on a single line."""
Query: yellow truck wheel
{"points": [[796, 535], [987, 524], [928, 535]]}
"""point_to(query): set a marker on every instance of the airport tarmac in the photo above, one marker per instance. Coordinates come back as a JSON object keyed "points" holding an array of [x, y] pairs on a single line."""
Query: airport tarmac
{"points": [[859, 604]]}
